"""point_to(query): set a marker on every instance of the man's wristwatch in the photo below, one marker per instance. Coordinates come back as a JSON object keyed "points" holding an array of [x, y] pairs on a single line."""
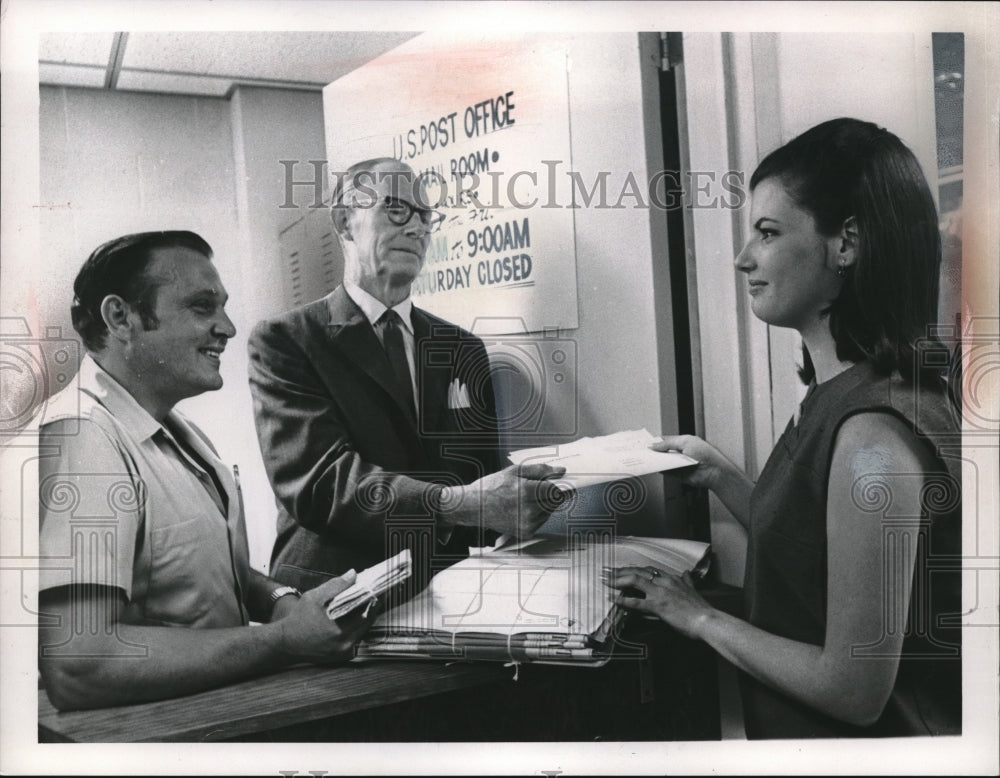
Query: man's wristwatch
{"points": [[281, 591]]}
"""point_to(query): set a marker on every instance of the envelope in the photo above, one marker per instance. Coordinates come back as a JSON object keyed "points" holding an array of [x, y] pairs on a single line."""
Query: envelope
{"points": [[614, 457]]}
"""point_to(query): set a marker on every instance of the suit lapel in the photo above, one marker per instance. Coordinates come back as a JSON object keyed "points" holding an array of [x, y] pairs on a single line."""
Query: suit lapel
{"points": [[354, 336]]}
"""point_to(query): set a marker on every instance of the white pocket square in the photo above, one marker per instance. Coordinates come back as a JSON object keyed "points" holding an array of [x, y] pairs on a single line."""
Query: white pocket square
{"points": [[458, 395]]}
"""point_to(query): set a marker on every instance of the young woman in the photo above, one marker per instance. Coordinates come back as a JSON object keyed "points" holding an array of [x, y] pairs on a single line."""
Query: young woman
{"points": [[852, 587]]}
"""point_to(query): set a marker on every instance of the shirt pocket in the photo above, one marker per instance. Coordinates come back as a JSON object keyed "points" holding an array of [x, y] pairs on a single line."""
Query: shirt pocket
{"points": [[180, 582]]}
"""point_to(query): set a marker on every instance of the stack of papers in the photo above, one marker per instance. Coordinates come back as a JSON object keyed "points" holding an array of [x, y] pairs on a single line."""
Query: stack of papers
{"points": [[370, 584], [541, 600], [590, 461]]}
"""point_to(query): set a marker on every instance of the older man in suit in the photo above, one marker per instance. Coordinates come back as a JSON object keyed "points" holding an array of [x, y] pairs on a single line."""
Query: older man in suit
{"points": [[376, 419]]}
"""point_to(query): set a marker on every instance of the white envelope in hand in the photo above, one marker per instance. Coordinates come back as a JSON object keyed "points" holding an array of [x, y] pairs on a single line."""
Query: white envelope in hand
{"points": [[590, 461], [458, 395]]}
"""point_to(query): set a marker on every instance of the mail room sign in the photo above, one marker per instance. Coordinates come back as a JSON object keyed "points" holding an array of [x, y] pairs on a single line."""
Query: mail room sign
{"points": [[485, 122]]}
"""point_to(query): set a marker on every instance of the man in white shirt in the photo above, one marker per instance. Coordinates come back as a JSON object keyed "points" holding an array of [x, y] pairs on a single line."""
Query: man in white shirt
{"points": [[147, 591], [376, 419]]}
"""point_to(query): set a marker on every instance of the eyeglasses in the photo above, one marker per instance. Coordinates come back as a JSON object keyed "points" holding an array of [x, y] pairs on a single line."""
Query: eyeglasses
{"points": [[400, 212]]}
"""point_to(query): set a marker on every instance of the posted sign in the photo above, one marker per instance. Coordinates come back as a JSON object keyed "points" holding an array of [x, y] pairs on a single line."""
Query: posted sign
{"points": [[486, 124]]}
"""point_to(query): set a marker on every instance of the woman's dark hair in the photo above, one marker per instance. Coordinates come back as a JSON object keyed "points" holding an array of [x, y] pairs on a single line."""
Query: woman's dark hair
{"points": [[846, 167], [119, 267]]}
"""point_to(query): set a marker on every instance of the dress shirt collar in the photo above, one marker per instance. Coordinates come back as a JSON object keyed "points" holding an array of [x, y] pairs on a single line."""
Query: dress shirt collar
{"points": [[102, 386], [374, 308]]}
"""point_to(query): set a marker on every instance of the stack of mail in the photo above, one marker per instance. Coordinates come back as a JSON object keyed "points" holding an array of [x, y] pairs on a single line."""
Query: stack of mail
{"points": [[598, 460], [370, 584], [542, 600]]}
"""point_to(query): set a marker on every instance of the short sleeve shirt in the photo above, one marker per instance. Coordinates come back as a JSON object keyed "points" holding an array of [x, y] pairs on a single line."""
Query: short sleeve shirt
{"points": [[124, 504]]}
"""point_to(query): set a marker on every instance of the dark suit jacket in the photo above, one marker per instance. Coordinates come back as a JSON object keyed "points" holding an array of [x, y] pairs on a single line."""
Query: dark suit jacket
{"points": [[354, 474]]}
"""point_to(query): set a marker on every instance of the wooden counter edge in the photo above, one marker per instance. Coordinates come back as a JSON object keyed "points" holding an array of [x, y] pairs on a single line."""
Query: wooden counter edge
{"points": [[296, 695]]}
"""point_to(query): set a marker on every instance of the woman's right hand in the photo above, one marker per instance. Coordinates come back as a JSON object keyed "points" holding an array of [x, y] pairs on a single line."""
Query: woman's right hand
{"points": [[714, 471], [711, 462]]}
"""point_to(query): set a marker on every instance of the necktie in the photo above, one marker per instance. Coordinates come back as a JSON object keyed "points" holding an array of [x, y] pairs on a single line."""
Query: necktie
{"points": [[392, 342]]}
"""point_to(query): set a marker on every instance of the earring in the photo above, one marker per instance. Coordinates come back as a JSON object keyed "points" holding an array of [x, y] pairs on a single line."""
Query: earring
{"points": [[842, 271]]}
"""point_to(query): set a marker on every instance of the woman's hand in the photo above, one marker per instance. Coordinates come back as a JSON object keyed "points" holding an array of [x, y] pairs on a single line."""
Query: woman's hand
{"points": [[669, 597], [714, 471], [711, 462]]}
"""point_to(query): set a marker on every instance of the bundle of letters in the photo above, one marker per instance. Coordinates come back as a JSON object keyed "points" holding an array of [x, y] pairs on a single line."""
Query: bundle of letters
{"points": [[370, 584], [541, 600]]}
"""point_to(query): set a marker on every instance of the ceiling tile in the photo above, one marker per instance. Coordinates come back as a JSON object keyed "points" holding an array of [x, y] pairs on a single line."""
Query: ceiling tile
{"points": [[207, 63], [297, 57], [81, 48]]}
